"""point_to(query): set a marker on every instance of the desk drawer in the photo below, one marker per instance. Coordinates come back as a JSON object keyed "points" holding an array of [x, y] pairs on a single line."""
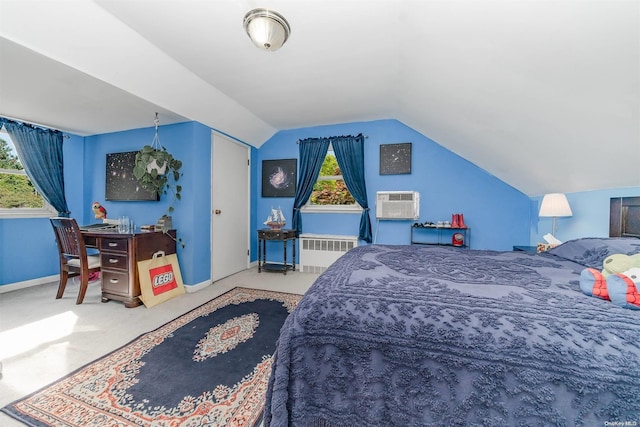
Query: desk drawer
{"points": [[111, 244], [115, 283], [114, 261], [274, 234]]}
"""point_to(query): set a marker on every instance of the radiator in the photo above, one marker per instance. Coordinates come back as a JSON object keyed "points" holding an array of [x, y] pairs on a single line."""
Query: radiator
{"points": [[319, 251]]}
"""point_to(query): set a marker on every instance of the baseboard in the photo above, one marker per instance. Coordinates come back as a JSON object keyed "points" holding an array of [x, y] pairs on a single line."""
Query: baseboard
{"points": [[197, 287], [55, 278], [42, 280], [28, 283]]}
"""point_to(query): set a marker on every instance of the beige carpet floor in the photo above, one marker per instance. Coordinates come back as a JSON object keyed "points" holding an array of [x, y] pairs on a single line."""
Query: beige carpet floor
{"points": [[43, 339]]}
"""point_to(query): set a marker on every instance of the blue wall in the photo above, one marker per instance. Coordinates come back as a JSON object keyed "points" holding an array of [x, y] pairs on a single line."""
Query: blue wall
{"points": [[590, 215], [500, 216], [191, 143], [28, 247]]}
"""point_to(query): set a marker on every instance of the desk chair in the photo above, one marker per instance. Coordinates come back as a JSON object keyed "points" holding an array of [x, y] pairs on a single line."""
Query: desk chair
{"points": [[74, 260]]}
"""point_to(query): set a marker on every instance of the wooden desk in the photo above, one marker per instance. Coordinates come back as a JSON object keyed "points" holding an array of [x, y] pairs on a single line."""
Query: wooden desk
{"points": [[119, 256], [281, 235]]}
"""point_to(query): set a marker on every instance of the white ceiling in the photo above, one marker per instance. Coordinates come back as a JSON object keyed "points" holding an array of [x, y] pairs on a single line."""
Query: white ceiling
{"points": [[545, 95]]}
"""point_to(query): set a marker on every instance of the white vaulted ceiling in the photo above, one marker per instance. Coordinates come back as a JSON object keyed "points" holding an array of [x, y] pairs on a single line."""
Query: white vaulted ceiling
{"points": [[545, 95]]}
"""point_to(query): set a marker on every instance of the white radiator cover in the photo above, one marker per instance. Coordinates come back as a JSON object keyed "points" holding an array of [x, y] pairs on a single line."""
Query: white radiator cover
{"points": [[319, 251]]}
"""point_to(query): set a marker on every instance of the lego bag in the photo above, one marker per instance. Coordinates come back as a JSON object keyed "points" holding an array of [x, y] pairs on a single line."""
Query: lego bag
{"points": [[160, 279]]}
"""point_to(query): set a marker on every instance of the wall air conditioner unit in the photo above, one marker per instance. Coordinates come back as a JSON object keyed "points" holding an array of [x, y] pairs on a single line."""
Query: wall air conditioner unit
{"points": [[397, 205]]}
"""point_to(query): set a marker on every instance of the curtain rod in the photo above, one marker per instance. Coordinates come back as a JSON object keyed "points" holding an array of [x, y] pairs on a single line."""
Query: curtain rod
{"points": [[64, 135], [329, 137]]}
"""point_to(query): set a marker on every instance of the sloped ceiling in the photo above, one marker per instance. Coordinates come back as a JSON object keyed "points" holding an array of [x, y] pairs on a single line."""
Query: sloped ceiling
{"points": [[545, 95]]}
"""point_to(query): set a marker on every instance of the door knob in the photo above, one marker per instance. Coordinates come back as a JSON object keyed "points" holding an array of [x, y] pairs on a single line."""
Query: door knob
{"points": [[217, 211]]}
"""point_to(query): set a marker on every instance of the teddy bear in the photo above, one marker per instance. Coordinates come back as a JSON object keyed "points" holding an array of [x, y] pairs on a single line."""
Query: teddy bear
{"points": [[618, 281]]}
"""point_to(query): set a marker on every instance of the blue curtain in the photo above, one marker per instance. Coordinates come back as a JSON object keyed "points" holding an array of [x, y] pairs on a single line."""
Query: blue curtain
{"points": [[312, 154], [40, 152], [350, 156]]}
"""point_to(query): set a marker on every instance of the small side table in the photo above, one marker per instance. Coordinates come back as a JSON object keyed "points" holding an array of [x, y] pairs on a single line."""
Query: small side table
{"points": [[530, 249], [282, 235]]}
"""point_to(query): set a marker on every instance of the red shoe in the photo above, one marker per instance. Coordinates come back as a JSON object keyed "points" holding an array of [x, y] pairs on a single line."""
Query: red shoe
{"points": [[454, 221], [461, 221]]}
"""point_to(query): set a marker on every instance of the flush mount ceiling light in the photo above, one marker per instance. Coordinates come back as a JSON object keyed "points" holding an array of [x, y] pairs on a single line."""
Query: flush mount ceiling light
{"points": [[266, 28]]}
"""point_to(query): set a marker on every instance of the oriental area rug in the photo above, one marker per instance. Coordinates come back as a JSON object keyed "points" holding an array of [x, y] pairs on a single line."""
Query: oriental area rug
{"points": [[208, 367]]}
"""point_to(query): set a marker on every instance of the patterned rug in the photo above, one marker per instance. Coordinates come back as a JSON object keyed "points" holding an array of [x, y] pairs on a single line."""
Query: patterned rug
{"points": [[208, 367]]}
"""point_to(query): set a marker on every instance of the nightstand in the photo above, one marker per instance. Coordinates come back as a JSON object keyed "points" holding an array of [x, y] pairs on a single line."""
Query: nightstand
{"points": [[278, 235], [530, 249]]}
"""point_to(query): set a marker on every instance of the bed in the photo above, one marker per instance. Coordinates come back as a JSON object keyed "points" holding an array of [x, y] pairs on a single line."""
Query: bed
{"points": [[438, 336]]}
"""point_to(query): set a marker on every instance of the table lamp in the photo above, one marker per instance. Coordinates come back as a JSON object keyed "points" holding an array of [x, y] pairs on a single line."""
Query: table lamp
{"points": [[555, 205]]}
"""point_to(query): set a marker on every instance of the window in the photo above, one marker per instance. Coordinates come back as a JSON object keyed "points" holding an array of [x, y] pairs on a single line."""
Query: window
{"points": [[330, 192], [18, 196]]}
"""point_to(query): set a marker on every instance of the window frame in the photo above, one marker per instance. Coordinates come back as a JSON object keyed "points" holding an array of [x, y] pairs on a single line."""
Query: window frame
{"points": [[46, 211], [312, 208]]}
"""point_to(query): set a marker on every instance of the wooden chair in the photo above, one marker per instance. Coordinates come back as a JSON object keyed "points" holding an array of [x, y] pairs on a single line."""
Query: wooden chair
{"points": [[74, 260]]}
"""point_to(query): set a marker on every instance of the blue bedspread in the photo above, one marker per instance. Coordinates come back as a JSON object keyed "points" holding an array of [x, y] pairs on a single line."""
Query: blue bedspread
{"points": [[434, 336]]}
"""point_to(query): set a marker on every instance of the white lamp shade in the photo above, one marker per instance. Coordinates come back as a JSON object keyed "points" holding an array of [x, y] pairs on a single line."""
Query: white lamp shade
{"points": [[555, 205], [267, 29]]}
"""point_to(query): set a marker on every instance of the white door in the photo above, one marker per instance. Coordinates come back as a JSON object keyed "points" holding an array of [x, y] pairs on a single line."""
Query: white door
{"points": [[230, 214]]}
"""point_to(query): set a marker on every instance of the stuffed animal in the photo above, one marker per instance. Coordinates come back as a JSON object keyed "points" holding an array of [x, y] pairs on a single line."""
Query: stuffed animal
{"points": [[594, 284], [619, 275], [619, 263], [99, 211], [624, 288]]}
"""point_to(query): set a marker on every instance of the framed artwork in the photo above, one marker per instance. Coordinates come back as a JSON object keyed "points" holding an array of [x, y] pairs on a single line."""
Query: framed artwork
{"points": [[395, 159], [120, 184], [279, 178]]}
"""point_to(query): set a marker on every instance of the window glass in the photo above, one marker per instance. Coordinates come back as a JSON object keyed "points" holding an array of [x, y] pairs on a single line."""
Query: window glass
{"points": [[18, 196], [330, 189]]}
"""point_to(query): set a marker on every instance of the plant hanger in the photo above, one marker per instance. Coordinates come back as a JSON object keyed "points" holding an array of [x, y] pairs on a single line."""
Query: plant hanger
{"points": [[156, 146], [155, 166]]}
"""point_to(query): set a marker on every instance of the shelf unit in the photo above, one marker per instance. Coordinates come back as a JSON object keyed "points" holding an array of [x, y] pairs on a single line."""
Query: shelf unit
{"points": [[438, 236]]}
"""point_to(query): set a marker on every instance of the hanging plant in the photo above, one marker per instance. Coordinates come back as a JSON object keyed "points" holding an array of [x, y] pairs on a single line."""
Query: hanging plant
{"points": [[157, 170]]}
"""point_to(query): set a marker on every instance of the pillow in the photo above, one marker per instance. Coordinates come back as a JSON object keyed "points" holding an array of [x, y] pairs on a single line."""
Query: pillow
{"points": [[591, 251]]}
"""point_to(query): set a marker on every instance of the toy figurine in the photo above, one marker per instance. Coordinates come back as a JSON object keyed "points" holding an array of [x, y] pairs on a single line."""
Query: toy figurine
{"points": [[99, 211]]}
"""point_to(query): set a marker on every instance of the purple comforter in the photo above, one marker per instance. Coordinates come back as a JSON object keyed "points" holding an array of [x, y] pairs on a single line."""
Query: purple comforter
{"points": [[432, 336]]}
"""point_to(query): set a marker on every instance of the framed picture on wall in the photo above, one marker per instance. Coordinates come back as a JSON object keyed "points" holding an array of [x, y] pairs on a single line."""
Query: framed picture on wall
{"points": [[120, 184], [279, 178], [395, 159]]}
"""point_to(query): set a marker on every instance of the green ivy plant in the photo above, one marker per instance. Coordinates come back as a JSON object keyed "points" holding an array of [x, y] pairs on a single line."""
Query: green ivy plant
{"points": [[151, 180], [158, 183]]}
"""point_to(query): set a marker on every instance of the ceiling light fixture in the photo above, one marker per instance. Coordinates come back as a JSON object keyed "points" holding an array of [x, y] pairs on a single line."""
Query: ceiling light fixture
{"points": [[266, 28]]}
